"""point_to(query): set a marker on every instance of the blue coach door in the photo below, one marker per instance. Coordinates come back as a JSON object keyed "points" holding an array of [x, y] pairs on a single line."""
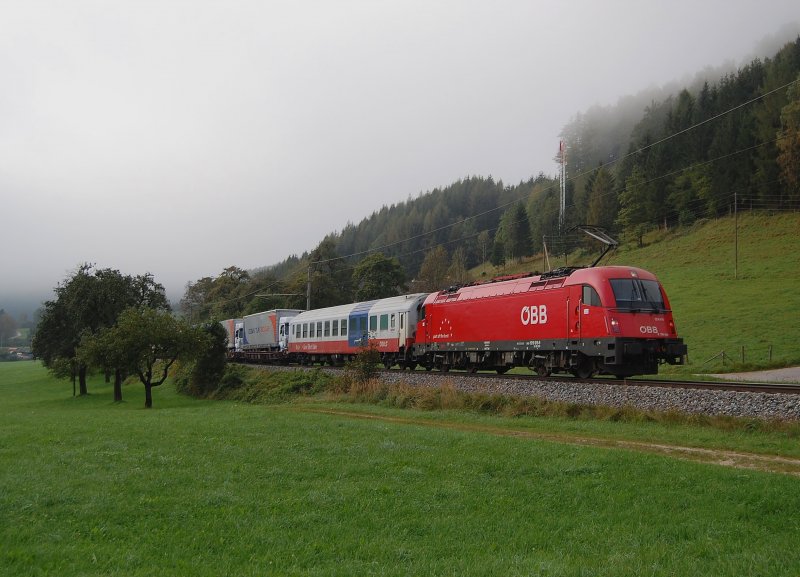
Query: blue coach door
{"points": [[358, 335]]}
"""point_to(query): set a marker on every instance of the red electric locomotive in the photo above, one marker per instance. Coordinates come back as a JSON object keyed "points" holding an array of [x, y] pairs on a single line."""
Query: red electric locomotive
{"points": [[611, 320]]}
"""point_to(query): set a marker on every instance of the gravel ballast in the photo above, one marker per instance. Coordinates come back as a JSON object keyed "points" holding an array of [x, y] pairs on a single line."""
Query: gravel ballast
{"points": [[662, 399]]}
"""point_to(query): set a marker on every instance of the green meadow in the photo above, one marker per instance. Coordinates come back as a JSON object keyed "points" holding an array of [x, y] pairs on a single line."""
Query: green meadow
{"points": [[312, 487], [723, 301]]}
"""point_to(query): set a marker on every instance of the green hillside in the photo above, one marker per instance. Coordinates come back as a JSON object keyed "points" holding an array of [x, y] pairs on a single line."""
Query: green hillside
{"points": [[718, 308]]}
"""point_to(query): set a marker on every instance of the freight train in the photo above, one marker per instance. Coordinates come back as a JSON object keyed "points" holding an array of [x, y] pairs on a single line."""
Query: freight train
{"points": [[583, 321]]}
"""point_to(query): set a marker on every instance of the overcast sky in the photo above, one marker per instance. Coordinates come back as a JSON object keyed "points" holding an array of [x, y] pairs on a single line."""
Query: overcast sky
{"points": [[179, 138]]}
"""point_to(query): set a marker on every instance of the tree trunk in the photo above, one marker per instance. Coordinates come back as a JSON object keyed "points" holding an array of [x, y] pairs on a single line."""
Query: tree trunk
{"points": [[148, 396], [117, 386], [82, 380]]}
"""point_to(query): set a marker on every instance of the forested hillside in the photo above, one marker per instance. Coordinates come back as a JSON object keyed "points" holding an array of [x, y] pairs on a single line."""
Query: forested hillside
{"points": [[691, 155]]}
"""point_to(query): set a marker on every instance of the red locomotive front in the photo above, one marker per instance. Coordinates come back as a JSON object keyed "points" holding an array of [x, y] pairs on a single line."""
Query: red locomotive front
{"points": [[613, 320]]}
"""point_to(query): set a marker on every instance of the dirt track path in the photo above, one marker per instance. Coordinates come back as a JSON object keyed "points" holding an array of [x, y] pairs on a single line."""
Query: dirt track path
{"points": [[738, 460], [787, 375]]}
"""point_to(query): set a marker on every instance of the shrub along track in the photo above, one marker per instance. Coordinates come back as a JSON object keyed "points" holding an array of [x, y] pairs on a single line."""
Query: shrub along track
{"points": [[734, 459]]}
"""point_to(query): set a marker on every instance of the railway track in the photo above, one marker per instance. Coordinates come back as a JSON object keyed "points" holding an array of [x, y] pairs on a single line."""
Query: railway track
{"points": [[740, 386]]}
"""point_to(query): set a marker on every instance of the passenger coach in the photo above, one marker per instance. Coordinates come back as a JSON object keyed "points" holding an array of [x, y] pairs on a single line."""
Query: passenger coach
{"points": [[335, 335]]}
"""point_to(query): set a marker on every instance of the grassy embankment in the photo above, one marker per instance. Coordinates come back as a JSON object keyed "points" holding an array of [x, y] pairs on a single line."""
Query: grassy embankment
{"points": [[715, 309], [221, 488]]}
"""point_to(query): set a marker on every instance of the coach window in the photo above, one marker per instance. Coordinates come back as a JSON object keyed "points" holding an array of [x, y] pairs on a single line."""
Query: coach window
{"points": [[590, 296], [305, 330], [335, 328], [311, 331], [319, 329], [344, 327], [384, 322], [373, 323], [327, 328]]}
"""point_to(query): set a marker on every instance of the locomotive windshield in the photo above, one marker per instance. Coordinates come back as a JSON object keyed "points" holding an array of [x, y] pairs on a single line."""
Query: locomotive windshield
{"points": [[638, 295]]}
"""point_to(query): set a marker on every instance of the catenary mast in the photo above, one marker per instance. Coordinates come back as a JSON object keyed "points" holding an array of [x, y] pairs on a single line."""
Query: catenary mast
{"points": [[562, 160]]}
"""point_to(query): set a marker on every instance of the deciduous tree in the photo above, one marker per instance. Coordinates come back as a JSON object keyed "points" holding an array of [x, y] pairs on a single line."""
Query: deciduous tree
{"points": [[87, 302], [378, 276], [148, 342], [8, 327], [433, 272]]}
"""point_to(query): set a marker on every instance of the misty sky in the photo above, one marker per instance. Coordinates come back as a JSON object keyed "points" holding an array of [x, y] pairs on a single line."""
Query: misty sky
{"points": [[179, 138]]}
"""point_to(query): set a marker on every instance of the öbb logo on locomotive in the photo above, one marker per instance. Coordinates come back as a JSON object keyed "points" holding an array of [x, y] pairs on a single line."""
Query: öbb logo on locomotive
{"points": [[533, 315]]}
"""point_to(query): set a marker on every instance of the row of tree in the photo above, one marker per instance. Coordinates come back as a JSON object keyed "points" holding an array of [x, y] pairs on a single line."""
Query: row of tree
{"points": [[119, 325]]}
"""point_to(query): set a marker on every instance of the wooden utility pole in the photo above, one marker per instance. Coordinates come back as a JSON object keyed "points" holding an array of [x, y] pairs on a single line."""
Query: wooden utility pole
{"points": [[736, 235]]}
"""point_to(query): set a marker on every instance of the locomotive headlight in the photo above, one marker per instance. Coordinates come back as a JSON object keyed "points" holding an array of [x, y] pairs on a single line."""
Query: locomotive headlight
{"points": [[614, 325]]}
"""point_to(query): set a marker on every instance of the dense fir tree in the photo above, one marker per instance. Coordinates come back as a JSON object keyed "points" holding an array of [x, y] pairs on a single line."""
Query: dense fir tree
{"points": [[602, 200]]}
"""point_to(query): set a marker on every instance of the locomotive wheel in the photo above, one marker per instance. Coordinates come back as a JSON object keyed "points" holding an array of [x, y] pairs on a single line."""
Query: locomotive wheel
{"points": [[542, 371], [583, 371]]}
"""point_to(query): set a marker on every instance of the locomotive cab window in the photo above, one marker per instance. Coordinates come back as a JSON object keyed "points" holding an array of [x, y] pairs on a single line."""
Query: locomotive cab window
{"points": [[590, 296], [637, 295]]}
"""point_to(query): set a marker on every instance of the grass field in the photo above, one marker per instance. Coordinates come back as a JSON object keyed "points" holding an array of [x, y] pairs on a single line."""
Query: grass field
{"points": [[192, 487]]}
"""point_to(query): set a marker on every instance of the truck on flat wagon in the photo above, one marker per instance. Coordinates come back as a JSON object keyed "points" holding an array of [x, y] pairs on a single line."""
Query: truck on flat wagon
{"points": [[265, 335]]}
